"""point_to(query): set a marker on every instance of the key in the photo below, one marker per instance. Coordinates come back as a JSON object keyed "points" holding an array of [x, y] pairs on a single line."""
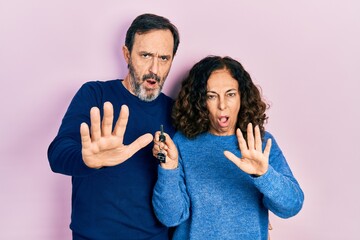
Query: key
{"points": [[162, 136], [161, 156]]}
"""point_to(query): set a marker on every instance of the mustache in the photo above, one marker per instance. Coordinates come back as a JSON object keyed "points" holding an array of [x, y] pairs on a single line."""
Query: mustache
{"points": [[151, 76]]}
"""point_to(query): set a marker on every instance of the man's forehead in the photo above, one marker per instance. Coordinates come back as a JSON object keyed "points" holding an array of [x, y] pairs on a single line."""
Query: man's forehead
{"points": [[156, 42]]}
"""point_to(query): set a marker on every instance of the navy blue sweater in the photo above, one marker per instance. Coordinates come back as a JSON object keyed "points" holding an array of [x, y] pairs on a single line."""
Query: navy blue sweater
{"points": [[112, 202]]}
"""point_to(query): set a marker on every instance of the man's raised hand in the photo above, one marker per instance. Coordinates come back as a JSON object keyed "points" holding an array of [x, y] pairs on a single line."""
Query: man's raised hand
{"points": [[102, 146]]}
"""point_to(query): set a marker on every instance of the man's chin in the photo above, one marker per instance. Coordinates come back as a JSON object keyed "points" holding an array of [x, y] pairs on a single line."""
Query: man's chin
{"points": [[149, 95]]}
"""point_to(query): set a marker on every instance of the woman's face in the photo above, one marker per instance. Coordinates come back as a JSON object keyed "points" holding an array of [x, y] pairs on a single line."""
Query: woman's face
{"points": [[223, 102]]}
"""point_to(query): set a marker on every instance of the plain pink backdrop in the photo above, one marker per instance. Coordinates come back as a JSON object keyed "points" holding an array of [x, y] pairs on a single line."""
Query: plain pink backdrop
{"points": [[304, 55]]}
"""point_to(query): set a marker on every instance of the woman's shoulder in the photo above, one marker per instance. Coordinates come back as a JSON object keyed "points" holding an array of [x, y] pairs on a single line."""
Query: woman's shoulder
{"points": [[274, 145], [268, 135], [208, 138], [181, 137]]}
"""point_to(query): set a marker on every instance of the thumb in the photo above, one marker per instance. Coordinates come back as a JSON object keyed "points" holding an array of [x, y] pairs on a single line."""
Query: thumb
{"points": [[232, 157], [171, 147], [139, 143]]}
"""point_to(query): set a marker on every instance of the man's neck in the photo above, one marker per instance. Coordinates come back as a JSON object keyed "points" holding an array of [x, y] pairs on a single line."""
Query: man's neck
{"points": [[126, 83]]}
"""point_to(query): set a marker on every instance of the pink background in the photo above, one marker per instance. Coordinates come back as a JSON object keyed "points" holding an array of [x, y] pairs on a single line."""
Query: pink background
{"points": [[304, 54]]}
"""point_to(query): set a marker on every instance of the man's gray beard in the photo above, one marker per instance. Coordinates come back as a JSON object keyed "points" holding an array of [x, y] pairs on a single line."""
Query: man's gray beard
{"points": [[139, 90]]}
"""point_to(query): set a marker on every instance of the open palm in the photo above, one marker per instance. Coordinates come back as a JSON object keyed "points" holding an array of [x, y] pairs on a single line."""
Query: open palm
{"points": [[254, 160], [103, 146]]}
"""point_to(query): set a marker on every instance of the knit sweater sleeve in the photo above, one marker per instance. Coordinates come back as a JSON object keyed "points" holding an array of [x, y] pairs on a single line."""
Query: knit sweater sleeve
{"points": [[282, 193], [64, 152], [170, 198]]}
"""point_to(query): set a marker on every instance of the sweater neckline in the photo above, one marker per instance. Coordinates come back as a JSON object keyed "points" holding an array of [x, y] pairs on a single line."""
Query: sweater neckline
{"points": [[134, 98], [220, 136], [220, 139]]}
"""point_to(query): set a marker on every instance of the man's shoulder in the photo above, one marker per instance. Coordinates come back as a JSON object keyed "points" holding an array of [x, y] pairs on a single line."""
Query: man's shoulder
{"points": [[100, 86], [102, 82], [165, 101], [166, 97]]}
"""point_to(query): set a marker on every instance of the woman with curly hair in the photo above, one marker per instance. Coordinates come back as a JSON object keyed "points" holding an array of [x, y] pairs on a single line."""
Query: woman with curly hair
{"points": [[198, 189]]}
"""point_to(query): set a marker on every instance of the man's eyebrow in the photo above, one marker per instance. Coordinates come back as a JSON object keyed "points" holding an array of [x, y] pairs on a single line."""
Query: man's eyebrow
{"points": [[169, 56], [146, 52], [165, 55]]}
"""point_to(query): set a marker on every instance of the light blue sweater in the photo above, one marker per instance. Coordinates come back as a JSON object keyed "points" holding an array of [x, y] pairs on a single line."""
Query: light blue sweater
{"points": [[209, 197]]}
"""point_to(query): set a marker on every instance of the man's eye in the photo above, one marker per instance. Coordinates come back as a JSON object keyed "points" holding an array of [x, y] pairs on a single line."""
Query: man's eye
{"points": [[145, 55], [164, 58]]}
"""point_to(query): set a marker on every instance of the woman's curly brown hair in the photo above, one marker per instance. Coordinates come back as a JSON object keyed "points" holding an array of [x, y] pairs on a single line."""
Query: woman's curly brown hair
{"points": [[190, 114]]}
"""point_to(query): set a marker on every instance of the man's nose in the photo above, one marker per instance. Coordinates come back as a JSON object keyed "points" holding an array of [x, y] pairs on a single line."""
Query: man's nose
{"points": [[154, 68]]}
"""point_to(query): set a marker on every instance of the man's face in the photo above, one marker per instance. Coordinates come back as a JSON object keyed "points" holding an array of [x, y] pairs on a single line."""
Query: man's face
{"points": [[149, 63]]}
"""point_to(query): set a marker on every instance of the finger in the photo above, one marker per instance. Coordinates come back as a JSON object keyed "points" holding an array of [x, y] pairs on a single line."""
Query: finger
{"points": [[85, 136], [155, 150], [156, 146], [120, 127], [156, 137], [139, 143], [107, 119], [267, 148], [232, 157], [95, 123], [164, 146], [258, 143], [250, 136], [241, 140], [170, 147], [168, 141]]}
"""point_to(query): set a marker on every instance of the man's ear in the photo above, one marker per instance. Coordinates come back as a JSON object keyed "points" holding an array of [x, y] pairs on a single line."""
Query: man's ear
{"points": [[126, 54]]}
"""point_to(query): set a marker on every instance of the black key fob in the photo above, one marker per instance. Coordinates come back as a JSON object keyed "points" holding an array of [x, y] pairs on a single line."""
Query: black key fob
{"points": [[161, 156]]}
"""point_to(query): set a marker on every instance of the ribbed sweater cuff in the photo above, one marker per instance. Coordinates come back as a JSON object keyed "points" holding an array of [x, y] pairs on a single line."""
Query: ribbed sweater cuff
{"points": [[168, 176], [268, 181]]}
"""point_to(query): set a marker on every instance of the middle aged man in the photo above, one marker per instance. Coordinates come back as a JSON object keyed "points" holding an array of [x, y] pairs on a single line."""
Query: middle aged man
{"points": [[111, 164]]}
